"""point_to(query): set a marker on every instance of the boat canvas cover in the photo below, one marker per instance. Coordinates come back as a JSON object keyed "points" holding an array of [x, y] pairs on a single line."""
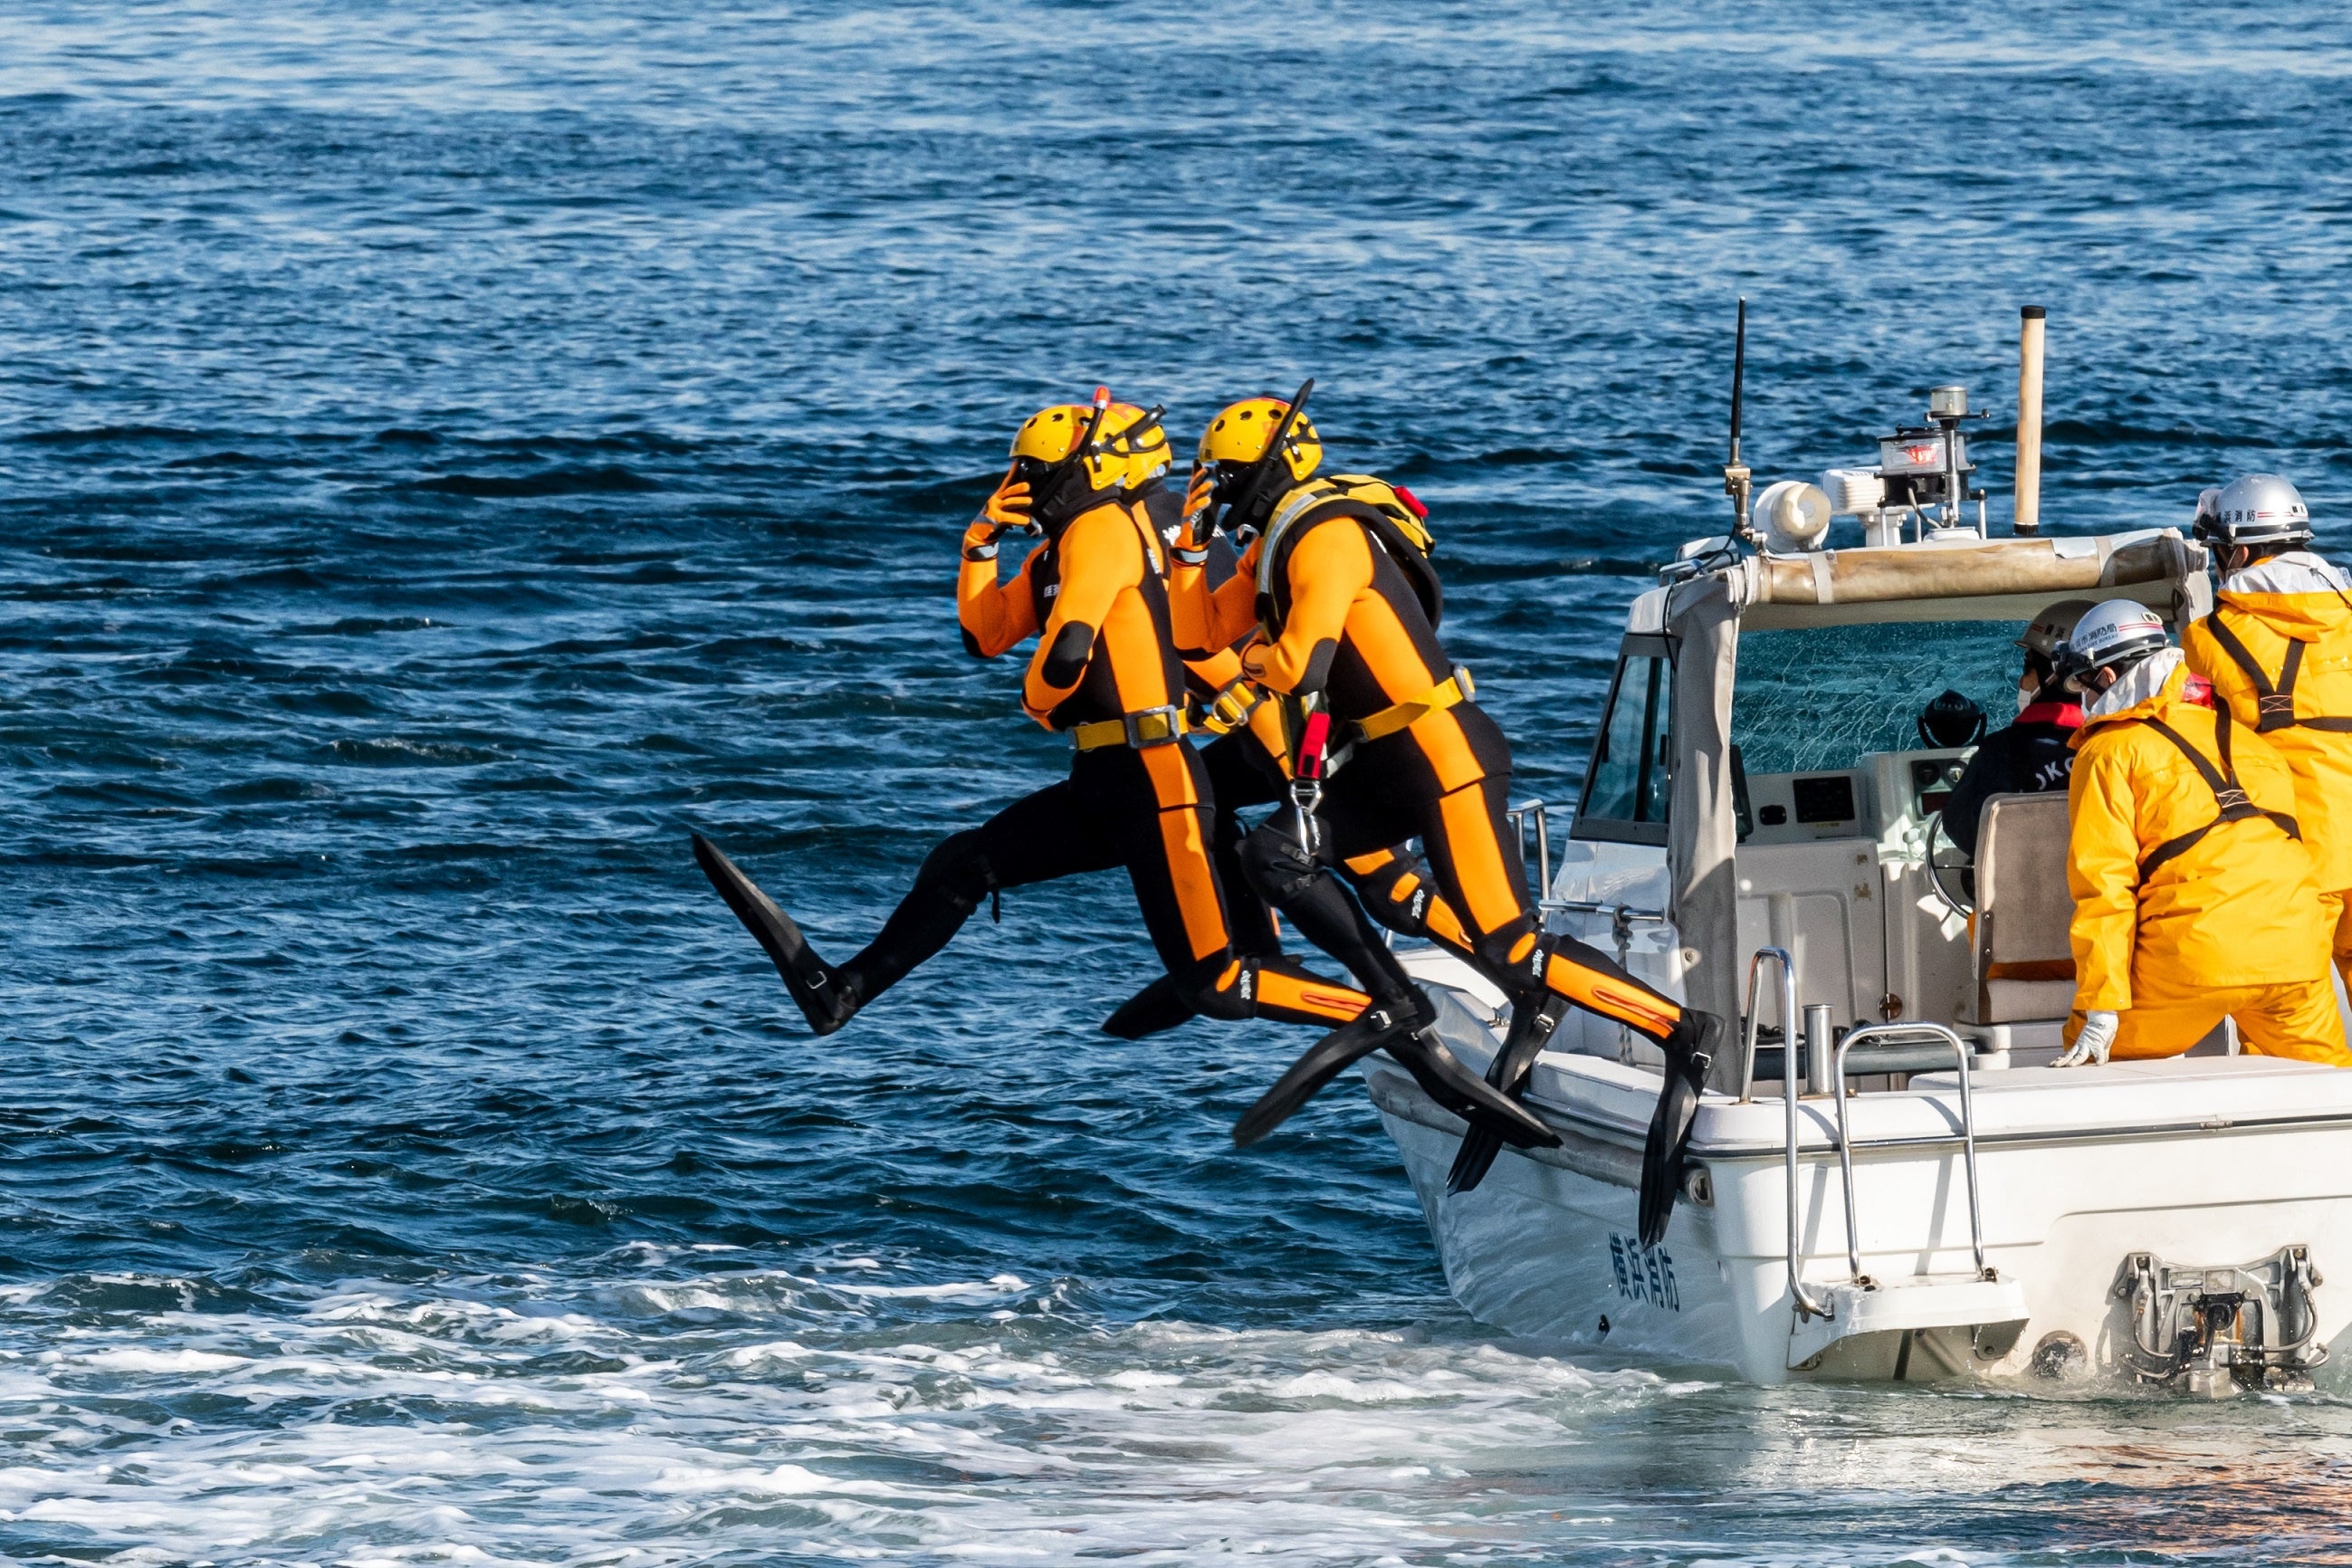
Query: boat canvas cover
{"points": [[1703, 619]]}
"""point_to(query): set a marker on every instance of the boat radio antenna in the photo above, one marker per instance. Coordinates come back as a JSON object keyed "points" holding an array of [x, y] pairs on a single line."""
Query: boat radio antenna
{"points": [[1735, 472]]}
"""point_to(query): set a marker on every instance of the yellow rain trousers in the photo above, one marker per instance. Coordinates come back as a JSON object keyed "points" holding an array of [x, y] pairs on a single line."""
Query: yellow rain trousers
{"points": [[2196, 918], [2309, 718]]}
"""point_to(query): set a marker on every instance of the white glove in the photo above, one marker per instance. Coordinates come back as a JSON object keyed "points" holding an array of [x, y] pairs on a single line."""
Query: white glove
{"points": [[2092, 1045]]}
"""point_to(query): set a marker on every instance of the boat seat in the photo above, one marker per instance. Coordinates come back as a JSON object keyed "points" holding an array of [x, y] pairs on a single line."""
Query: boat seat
{"points": [[2025, 962]]}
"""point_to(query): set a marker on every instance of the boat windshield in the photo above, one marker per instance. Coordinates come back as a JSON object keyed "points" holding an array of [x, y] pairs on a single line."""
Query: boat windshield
{"points": [[1820, 698]]}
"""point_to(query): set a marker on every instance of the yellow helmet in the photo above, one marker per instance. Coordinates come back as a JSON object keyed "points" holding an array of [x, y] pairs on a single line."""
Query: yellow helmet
{"points": [[1241, 433], [1127, 447], [1253, 452], [1135, 435]]}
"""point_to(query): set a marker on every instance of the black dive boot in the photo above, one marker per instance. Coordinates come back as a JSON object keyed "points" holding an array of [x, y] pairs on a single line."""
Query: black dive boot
{"points": [[1532, 1026], [1690, 1052], [827, 996], [1409, 1037]]}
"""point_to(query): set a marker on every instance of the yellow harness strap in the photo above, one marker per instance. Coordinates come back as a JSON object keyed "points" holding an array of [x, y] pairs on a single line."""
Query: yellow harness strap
{"points": [[1436, 700], [1152, 727]]}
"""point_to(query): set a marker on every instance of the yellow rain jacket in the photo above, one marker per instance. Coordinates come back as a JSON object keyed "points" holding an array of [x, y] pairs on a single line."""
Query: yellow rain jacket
{"points": [[2308, 721], [2158, 911]]}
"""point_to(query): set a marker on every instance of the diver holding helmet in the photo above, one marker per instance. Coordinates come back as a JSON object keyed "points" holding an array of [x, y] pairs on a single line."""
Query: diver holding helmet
{"points": [[2034, 753], [2278, 649], [2194, 899], [1105, 673], [1337, 582]]}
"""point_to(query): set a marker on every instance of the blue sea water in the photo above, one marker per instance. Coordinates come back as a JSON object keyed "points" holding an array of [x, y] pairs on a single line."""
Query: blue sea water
{"points": [[449, 452]]}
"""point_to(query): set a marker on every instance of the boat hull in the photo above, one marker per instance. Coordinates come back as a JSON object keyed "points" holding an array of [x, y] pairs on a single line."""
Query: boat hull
{"points": [[1546, 1246]]}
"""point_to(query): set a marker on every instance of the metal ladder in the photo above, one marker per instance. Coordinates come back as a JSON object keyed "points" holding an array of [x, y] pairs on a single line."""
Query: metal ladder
{"points": [[1807, 1304]]}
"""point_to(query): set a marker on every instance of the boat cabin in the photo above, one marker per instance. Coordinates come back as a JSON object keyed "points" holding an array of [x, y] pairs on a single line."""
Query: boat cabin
{"points": [[1766, 775]]}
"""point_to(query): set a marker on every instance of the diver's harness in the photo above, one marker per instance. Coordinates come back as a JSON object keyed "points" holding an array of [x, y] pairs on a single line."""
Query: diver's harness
{"points": [[1306, 774], [2274, 705], [1162, 726], [1393, 524], [1456, 687], [1395, 529], [2228, 793]]}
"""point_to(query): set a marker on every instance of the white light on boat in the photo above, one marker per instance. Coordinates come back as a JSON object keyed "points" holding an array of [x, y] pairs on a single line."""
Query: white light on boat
{"points": [[1852, 491], [1793, 515], [1948, 403]]}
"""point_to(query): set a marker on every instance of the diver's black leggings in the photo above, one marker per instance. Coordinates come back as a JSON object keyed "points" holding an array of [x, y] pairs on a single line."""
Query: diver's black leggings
{"points": [[1105, 815], [1240, 776], [1478, 865]]}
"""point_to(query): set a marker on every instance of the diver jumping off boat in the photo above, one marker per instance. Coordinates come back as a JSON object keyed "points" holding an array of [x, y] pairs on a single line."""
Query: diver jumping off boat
{"points": [[1106, 673], [1337, 583]]}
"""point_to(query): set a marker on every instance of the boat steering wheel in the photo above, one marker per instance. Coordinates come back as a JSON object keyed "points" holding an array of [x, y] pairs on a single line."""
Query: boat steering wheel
{"points": [[1949, 859]]}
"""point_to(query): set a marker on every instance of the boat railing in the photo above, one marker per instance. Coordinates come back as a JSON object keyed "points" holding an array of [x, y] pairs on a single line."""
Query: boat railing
{"points": [[1807, 1305], [1539, 814], [1622, 917]]}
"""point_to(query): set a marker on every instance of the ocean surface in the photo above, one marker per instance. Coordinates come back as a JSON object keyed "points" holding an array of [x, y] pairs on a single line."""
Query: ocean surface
{"points": [[450, 451]]}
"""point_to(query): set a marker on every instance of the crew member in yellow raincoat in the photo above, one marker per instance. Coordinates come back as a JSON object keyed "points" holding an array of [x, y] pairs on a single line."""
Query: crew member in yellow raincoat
{"points": [[2278, 649], [2194, 900]]}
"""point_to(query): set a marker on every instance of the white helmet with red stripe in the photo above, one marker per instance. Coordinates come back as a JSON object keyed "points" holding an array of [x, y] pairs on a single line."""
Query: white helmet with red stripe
{"points": [[2113, 636]]}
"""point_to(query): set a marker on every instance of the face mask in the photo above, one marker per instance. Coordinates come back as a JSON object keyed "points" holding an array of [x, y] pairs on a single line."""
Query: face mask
{"points": [[2028, 693]]}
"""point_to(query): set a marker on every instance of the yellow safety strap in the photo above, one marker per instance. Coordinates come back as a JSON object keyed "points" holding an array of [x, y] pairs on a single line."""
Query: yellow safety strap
{"points": [[1152, 727], [1436, 700]]}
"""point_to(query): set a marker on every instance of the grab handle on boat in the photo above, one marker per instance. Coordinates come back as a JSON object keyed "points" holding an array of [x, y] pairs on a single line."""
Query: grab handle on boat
{"points": [[1749, 1019], [1862, 1036], [1542, 814], [1807, 1306]]}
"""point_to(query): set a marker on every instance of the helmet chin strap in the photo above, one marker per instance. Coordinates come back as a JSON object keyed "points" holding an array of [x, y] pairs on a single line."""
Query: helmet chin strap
{"points": [[1253, 492]]}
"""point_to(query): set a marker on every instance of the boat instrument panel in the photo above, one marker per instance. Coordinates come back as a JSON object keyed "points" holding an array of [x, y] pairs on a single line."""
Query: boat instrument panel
{"points": [[1845, 803]]}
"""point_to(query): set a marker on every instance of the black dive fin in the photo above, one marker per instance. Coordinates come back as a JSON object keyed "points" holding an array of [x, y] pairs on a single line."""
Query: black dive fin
{"points": [[1690, 1052], [1443, 1077], [813, 984], [1508, 1072], [1321, 1062], [1159, 1005]]}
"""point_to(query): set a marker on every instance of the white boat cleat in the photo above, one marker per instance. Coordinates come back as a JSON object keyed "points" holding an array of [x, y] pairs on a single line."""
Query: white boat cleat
{"points": [[1884, 1181]]}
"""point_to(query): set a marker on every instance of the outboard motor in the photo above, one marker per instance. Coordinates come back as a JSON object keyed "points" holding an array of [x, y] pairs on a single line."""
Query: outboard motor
{"points": [[2209, 1330]]}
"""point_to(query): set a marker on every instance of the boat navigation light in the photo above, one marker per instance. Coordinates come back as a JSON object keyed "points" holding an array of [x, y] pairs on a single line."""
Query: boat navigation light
{"points": [[1948, 403]]}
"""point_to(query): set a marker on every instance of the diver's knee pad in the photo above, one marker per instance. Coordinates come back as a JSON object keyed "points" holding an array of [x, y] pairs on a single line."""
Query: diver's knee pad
{"points": [[1218, 986], [958, 871], [1396, 893], [1512, 955], [1280, 867]]}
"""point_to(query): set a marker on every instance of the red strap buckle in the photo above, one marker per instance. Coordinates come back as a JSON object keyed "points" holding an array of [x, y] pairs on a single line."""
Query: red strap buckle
{"points": [[1312, 739]]}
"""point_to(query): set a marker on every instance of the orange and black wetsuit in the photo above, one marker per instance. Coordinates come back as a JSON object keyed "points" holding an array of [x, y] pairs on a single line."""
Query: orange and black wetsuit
{"points": [[1250, 766], [1343, 621], [1137, 796]]}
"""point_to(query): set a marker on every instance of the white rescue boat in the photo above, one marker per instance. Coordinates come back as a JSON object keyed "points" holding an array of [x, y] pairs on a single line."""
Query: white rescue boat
{"points": [[1756, 836]]}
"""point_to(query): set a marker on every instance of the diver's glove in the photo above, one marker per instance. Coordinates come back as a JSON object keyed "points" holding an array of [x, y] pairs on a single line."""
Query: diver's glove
{"points": [[1200, 495], [2091, 1046], [1007, 509]]}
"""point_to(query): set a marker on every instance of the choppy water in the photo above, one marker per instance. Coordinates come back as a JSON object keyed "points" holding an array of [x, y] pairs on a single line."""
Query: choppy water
{"points": [[445, 456]]}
